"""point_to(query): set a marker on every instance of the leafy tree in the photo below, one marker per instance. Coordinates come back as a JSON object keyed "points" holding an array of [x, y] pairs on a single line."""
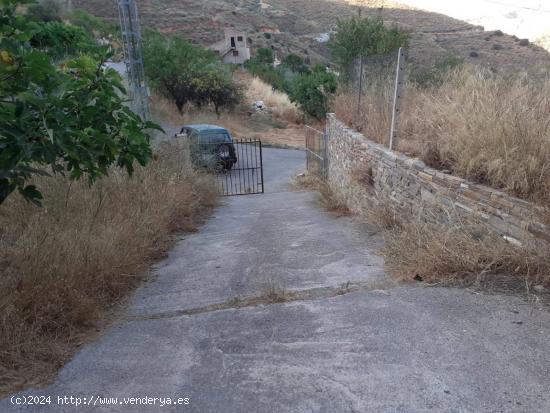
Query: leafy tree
{"points": [[188, 74], [64, 117], [265, 56], [60, 40], [295, 63], [313, 91], [212, 87], [363, 37]]}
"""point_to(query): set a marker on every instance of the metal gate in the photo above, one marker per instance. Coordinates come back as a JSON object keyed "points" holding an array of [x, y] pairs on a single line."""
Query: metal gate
{"points": [[316, 152], [237, 165]]}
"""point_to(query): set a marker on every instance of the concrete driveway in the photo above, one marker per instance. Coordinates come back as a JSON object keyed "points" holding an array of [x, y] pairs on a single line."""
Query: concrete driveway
{"points": [[203, 330]]}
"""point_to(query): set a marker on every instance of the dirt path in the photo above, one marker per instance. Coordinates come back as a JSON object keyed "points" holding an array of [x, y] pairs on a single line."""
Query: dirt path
{"points": [[210, 326]]}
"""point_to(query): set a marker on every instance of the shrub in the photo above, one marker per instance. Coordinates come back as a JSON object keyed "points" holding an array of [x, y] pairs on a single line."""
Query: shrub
{"points": [[436, 74], [60, 40], [313, 91], [264, 56]]}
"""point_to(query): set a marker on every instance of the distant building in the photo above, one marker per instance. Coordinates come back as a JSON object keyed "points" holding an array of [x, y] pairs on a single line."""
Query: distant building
{"points": [[234, 48]]}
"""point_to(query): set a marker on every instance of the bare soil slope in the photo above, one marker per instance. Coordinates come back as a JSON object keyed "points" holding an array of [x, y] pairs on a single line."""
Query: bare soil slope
{"points": [[293, 26]]}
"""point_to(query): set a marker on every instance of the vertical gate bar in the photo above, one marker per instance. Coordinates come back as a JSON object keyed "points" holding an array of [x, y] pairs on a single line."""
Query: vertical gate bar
{"points": [[240, 190], [252, 170], [227, 172], [307, 147], [262, 167], [247, 175], [256, 165]]}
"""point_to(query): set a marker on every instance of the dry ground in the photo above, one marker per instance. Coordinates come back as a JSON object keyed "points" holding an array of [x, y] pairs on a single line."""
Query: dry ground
{"points": [[282, 126], [294, 25]]}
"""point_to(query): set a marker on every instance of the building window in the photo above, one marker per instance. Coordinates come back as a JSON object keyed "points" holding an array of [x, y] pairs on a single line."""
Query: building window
{"points": [[235, 52], [232, 42], [239, 38]]}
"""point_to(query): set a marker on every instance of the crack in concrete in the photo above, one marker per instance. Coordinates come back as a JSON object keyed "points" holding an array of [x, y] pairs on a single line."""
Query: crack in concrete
{"points": [[267, 299]]}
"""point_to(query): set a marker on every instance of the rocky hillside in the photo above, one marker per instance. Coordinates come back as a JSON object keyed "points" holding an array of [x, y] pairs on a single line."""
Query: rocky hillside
{"points": [[300, 26]]}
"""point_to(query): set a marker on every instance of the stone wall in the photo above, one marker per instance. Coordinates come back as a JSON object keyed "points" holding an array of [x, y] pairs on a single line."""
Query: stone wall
{"points": [[365, 173]]}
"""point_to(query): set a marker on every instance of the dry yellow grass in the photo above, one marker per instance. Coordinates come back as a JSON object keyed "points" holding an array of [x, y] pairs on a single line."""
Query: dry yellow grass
{"points": [[442, 247], [489, 128], [241, 123], [64, 264], [277, 102]]}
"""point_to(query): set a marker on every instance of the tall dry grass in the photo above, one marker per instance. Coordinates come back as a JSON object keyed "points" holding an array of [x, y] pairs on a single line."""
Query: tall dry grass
{"points": [[64, 264], [278, 102], [492, 129], [443, 247]]}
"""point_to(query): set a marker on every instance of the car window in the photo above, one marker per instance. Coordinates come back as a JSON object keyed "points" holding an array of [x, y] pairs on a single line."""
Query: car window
{"points": [[215, 137]]}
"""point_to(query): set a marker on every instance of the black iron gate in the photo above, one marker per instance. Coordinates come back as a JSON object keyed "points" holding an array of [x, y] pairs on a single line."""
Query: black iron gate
{"points": [[238, 166]]}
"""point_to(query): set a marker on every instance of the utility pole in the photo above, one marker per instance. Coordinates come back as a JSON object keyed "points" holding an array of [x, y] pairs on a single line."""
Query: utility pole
{"points": [[131, 41]]}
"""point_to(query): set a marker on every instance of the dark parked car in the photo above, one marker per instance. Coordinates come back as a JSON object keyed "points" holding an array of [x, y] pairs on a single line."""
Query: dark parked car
{"points": [[211, 146]]}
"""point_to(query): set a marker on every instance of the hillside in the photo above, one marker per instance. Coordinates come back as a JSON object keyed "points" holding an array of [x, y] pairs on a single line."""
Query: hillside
{"points": [[294, 26]]}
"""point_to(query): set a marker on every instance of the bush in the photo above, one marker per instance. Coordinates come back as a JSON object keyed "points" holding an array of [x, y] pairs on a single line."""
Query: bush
{"points": [[313, 91], [276, 77], [264, 56], [295, 63], [435, 75], [60, 40]]}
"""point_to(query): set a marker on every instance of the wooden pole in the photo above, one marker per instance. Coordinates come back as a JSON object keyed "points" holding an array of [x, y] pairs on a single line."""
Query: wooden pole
{"points": [[396, 111]]}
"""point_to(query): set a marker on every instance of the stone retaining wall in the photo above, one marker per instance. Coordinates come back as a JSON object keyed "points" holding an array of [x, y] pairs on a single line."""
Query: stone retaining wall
{"points": [[364, 173]]}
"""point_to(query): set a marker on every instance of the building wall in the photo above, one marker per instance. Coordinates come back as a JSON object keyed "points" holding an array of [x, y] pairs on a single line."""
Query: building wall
{"points": [[236, 52], [365, 173]]}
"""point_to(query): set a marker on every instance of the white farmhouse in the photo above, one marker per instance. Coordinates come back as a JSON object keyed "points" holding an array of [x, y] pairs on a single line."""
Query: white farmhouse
{"points": [[234, 48]]}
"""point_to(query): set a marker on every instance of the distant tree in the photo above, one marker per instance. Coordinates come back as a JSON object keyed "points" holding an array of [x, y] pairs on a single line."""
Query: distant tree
{"points": [[216, 88], [58, 40], [363, 37], [186, 73], [265, 56], [313, 91], [46, 10], [295, 63]]}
